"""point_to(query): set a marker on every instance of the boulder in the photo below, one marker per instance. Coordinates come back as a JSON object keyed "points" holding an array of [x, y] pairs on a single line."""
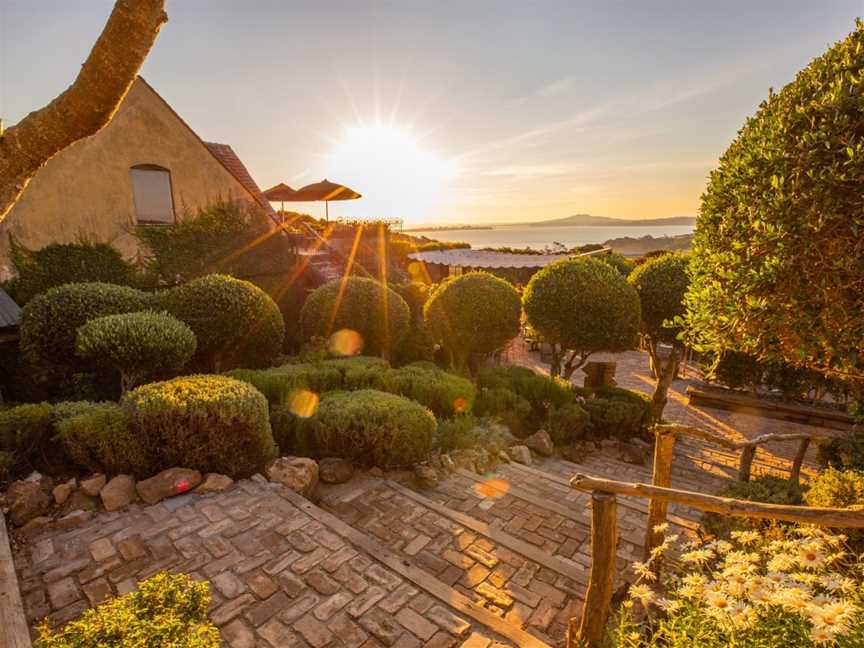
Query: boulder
{"points": [[118, 493], [503, 456], [465, 459], [73, 519], [447, 463], [425, 476], [375, 471], [79, 501], [62, 492], [333, 470], [27, 500], [578, 452], [485, 461], [168, 483], [92, 485], [36, 525], [215, 483], [632, 454], [520, 454], [541, 443], [300, 474]]}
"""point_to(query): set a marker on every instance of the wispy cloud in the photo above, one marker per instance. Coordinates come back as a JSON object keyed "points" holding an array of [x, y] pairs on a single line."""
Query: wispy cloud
{"points": [[529, 171], [555, 88]]}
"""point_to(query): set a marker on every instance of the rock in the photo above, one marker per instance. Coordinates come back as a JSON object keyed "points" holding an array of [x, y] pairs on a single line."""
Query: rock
{"points": [[503, 456], [79, 501], [36, 525], [333, 470], [300, 474], [27, 501], [215, 483], [168, 483], [608, 443], [541, 443], [578, 452], [73, 519], [484, 461], [520, 454], [34, 476], [425, 476], [632, 454], [375, 471], [465, 459], [92, 485], [62, 492], [118, 492], [447, 463]]}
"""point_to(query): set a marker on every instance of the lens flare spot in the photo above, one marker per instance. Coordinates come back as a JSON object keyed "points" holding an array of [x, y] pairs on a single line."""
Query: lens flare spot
{"points": [[493, 488], [345, 342], [460, 405], [415, 270], [303, 403]]}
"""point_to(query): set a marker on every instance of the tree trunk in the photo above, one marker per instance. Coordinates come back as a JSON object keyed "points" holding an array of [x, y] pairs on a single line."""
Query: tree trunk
{"points": [[664, 381], [88, 104]]}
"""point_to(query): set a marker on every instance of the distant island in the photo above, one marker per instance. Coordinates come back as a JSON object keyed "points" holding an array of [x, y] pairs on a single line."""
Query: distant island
{"points": [[630, 246], [447, 228], [586, 220]]}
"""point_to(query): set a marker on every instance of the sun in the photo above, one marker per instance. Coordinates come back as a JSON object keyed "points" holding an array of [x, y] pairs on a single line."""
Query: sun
{"points": [[398, 176]]}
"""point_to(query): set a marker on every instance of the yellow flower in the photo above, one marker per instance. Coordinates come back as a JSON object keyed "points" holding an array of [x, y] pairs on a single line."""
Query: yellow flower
{"points": [[821, 635], [780, 563], [644, 594], [698, 556], [833, 616], [661, 528], [643, 571], [810, 556], [718, 601], [746, 537]]}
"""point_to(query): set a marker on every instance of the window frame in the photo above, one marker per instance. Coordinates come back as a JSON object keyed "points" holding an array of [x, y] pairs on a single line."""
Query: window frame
{"points": [[153, 167]]}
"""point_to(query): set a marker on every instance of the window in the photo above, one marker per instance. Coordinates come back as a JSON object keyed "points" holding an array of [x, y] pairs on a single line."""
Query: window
{"points": [[151, 188]]}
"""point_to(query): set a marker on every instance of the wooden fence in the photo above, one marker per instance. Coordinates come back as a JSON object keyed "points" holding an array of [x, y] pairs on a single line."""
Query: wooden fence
{"points": [[591, 627]]}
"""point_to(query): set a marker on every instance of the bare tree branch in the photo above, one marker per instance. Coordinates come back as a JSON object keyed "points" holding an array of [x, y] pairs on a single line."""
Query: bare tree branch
{"points": [[88, 104]]}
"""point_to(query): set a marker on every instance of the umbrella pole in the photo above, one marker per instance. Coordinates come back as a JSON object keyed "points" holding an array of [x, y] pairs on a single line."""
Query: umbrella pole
{"points": [[327, 209]]}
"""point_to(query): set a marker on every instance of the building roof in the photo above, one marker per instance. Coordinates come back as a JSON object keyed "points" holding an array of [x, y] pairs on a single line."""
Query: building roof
{"points": [[226, 155], [467, 258], [10, 312]]}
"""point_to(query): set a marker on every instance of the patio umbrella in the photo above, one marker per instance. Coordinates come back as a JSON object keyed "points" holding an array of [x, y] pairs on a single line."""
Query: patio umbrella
{"points": [[324, 191], [281, 192]]}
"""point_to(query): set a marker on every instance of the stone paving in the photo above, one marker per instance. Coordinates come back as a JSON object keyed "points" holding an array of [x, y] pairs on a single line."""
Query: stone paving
{"points": [[278, 577]]}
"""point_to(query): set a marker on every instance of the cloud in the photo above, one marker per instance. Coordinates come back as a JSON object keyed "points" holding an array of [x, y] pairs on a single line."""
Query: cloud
{"points": [[528, 171], [556, 88]]}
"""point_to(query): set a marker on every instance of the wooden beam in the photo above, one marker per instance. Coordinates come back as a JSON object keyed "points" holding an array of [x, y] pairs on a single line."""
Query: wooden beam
{"points": [[795, 474], [745, 464], [852, 518], [601, 581], [14, 632]]}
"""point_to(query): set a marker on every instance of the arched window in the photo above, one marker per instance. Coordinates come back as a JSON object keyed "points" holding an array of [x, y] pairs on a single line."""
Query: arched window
{"points": [[151, 188]]}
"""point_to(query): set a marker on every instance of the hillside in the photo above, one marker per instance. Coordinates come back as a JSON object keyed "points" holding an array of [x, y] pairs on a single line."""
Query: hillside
{"points": [[583, 220]]}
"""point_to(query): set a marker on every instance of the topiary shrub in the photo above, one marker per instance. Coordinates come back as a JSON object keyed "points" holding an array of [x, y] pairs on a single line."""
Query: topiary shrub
{"points": [[737, 370], [137, 345], [768, 489], [293, 433], [506, 406], [581, 306], [209, 423], [365, 306], [50, 322], [840, 489], [777, 269], [98, 437], [165, 610], [467, 431], [618, 261], [446, 394], [474, 314], [24, 430], [236, 323], [373, 428], [417, 345], [618, 413], [567, 424]]}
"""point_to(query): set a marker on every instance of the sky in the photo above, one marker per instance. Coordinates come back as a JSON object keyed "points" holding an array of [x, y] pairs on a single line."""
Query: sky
{"points": [[454, 111]]}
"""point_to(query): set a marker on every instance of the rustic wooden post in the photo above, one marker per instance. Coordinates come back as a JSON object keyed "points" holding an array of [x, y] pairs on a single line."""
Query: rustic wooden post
{"points": [[601, 580], [664, 447], [795, 474], [744, 467]]}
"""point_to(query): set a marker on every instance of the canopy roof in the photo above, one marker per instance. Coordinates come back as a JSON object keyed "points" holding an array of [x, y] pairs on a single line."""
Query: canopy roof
{"points": [[487, 258]]}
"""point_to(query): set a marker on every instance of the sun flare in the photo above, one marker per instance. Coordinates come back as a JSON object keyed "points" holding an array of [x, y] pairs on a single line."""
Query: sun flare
{"points": [[398, 176]]}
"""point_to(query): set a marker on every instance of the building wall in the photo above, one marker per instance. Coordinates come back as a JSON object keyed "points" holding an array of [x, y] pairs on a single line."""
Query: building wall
{"points": [[86, 190]]}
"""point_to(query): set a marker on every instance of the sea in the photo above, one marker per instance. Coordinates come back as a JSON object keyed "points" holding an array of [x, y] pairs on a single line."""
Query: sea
{"points": [[520, 236]]}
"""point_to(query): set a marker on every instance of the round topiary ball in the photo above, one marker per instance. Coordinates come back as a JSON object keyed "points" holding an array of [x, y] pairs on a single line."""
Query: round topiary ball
{"points": [[661, 283], [584, 305], [476, 313], [209, 423], [365, 306], [237, 324], [138, 345]]}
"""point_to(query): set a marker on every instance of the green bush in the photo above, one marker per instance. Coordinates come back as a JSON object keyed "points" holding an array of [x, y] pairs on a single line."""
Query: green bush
{"points": [[97, 436], [618, 413], [24, 430], [137, 345], [777, 269], [417, 345], [737, 370], [50, 322], [567, 424], [661, 284], [64, 263], [618, 261], [508, 407], [209, 423], [294, 434], [474, 314], [444, 393], [467, 431], [768, 489], [366, 306], [373, 428], [840, 489], [165, 610], [236, 323], [581, 306]]}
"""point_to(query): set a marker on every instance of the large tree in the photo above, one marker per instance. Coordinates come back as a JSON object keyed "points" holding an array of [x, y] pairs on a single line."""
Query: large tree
{"points": [[88, 104], [778, 268]]}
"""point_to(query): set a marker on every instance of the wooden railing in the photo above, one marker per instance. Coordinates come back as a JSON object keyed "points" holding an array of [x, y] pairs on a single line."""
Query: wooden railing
{"points": [[604, 517]]}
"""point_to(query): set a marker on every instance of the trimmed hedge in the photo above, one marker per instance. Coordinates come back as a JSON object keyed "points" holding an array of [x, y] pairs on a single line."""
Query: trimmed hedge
{"points": [[618, 413], [98, 437], [768, 489], [465, 432], [138, 345], [373, 428], [508, 407], [165, 610], [661, 283], [210, 423], [24, 430], [567, 424], [50, 322], [236, 323], [366, 306], [841, 489], [444, 393]]}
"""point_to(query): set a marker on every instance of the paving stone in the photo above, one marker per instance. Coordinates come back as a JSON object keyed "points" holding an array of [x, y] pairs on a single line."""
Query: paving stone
{"points": [[447, 620], [267, 609], [63, 592], [364, 602], [97, 591], [277, 634], [346, 631], [382, 626], [398, 598], [476, 640], [321, 583], [228, 584], [331, 606], [238, 635], [292, 585], [418, 625], [314, 631], [231, 609], [261, 585], [102, 549], [299, 607]]}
